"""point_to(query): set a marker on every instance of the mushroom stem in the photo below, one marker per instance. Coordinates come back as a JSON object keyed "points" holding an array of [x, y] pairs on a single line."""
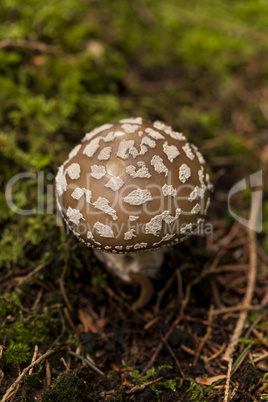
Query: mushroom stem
{"points": [[146, 289], [148, 263]]}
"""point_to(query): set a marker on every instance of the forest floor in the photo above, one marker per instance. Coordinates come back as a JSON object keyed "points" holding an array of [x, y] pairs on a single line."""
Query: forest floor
{"points": [[67, 330]]}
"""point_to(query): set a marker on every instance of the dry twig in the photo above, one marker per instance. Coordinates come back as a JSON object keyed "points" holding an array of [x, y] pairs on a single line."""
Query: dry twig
{"points": [[62, 289], [228, 378], [37, 300], [251, 280], [261, 358], [248, 295], [34, 358], [68, 318], [162, 292], [48, 373], [206, 337], [184, 304], [1, 372], [140, 387], [14, 304], [24, 372], [88, 325], [152, 322], [35, 46], [234, 309], [173, 355], [260, 337], [29, 276], [86, 361], [217, 354]]}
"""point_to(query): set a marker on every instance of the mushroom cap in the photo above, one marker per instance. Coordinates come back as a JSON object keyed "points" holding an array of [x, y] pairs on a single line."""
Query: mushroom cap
{"points": [[133, 186]]}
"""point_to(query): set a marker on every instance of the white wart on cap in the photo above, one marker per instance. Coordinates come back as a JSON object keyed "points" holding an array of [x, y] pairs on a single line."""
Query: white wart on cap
{"points": [[133, 186]]}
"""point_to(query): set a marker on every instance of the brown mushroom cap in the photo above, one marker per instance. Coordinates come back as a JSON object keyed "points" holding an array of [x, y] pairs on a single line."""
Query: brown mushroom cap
{"points": [[133, 186]]}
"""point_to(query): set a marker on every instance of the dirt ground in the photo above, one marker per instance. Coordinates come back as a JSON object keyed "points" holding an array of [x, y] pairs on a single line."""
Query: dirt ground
{"points": [[68, 331]]}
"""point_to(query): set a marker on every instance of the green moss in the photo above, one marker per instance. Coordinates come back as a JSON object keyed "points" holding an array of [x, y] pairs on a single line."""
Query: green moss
{"points": [[9, 304], [66, 387], [10, 245], [265, 226], [118, 397], [99, 279], [138, 378], [195, 391], [33, 380], [200, 66], [32, 331], [17, 353], [21, 334]]}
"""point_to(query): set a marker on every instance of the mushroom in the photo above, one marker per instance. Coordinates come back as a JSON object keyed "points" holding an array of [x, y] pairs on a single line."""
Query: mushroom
{"points": [[131, 189]]}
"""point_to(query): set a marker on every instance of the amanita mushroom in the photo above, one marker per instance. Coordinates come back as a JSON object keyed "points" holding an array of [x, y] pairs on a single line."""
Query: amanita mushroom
{"points": [[130, 190]]}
